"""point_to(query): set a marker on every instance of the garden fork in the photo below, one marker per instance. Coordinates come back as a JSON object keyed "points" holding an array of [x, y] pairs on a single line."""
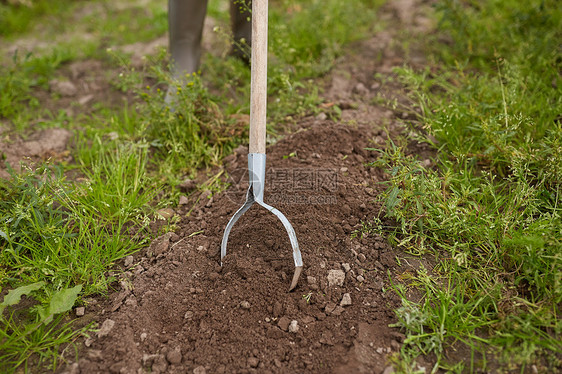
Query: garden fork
{"points": [[256, 156]]}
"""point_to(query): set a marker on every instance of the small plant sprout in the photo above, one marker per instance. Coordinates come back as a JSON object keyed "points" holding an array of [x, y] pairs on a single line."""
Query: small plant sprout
{"points": [[292, 154]]}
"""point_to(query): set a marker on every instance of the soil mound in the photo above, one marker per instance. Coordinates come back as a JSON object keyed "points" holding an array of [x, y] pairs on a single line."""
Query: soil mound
{"points": [[186, 313]]}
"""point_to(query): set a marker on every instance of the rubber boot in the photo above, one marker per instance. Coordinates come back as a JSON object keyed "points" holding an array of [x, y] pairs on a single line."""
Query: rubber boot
{"points": [[185, 22], [240, 20]]}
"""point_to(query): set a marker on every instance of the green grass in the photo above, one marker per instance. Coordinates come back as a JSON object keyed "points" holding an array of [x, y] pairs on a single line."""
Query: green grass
{"points": [[308, 40], [305, 40], [20, 16], [45, 218], [490, 212], [85, 28], [128, 25]]}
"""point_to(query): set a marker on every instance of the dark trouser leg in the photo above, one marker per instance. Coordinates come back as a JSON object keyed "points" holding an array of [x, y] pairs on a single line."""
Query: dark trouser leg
{"points": [[241, 28], [185, 22]]}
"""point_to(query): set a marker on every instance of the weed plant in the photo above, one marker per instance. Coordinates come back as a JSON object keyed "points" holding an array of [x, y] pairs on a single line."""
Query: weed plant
{"points": [[490, 211]]}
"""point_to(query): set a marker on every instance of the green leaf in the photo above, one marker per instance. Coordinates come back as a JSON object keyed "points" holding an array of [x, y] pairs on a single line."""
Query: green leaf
{"points": [[14, 296], [44, 315], [62, 301], [4, 235], [392, 200]]}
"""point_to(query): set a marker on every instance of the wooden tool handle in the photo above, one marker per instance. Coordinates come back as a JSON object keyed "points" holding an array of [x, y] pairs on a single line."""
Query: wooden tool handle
{"points": [[258, 93]]}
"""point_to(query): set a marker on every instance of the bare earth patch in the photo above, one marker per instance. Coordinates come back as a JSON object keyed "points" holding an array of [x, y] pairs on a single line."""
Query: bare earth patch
{"points": [[40, 146]]}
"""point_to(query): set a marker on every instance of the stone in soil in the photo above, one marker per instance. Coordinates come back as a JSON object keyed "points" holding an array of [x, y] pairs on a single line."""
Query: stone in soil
{"points": [[128, 261], [63, 88], [329, 308], [85, 99], [277, 309], [253, 362], [148, 359], [336, 278], [47, 142], [346, 299], [294, 326], [388, 370], [187, 185], [284, 323], [74, 368], [245, 305], [160, 364], [361, 89], [106, 328], [338, 310], [160, 245], [174, 356]]}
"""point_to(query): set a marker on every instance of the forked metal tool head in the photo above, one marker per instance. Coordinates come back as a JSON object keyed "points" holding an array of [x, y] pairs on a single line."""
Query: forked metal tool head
{"points": [[256, 171]]}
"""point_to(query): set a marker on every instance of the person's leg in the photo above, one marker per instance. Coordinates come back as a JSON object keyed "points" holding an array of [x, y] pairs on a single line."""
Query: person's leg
{"points": [[240, 15], [185, 22]]}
